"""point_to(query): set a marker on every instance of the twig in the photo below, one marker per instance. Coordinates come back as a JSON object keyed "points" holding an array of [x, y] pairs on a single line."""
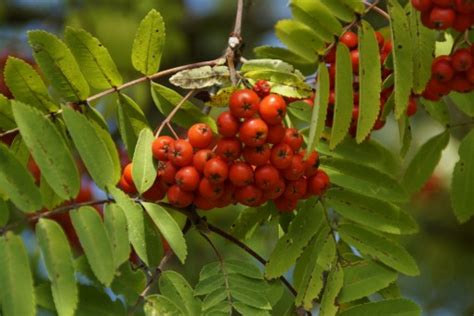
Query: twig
{"points": [[129, 84], [157, 273], [378, 10], [250, 251], [167, 120], [55, 211], [170, 127], [460, 125]]}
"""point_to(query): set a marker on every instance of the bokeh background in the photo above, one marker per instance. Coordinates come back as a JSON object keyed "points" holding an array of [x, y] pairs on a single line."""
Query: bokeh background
{"points": [[197, 30]]}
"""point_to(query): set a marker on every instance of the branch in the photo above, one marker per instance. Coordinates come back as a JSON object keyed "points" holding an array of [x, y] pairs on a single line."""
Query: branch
{"points": [[167, 120], [238, 19], [380, 11], [250, 251], [129, 84]]}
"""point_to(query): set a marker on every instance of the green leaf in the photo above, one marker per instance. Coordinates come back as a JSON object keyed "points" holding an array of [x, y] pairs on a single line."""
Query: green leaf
{"points": [[178, 290], [362, 179], [131, 120], [317, 16], [424, 162], [94, 301], [221, 98], [166, 99], [148, 44], [371, 212], [93, 58], [284, 83], [116, 227], [344, 96], [157, 305], [390, 292], [437, 110], [370, 81], [95, 242], [463, 101], [462, 184], [169, 229], [308, 273], [307, 67], [356, 5], [60, 265], [249, 220], [4, 212], [6, 115], [290, 246], [405, 135], [423, 42], [339, 9], [364, 278], [50, 198], [299, 38], [44, 296], [144, 166], [380, 247], [17, 292], [17, 183], [26, 85], [333, 286], [129, 283], [142, 234], [402, 56], [201, 77], [92, 148], [369, 153], [301, 110], [49, 149], [58, 65], [318, 117], [397, 307]]}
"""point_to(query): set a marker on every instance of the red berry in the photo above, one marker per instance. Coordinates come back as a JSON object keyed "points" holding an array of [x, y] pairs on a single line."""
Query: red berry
{"points": [[293, 138], [464, 6], [443, 3], [167, 172], [216, 170], [281, 156], [441, 69], [460, 84], [256, 156], [262, 88], [201, 157], [462, 22], [241, 174], [181, 153], [126, 186], [285, 205], [276, 191], [272, 109], [422, 5], [253, 132], [411, 109], [380, 39], [187, 178], [296, 189], [276, 133], [311, 164], [200, 135], [296, 169], [203, 203], [227, 124], [355, 113], [266, 177], [127, 173], [426, 19], [355, 61], [349, 39], [318, 183], [161, 147], [442, 18], [227, 197], [462, 59], [248, 195], [470, 75], [379, 124], [244, 103], [156, 192], [178, 197], [209, 190], [228, 148]]}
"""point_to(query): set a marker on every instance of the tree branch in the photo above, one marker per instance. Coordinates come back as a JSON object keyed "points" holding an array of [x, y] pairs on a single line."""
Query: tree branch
{"points": [[167, 120]]}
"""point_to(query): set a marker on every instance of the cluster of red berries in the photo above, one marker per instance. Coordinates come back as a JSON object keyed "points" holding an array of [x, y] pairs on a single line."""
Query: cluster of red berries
{"points": [[350, 39], [443, 14], [254, 159], [451, 73]]}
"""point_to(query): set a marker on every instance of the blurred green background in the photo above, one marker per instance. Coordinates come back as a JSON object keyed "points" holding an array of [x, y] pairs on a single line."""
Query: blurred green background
{"points": [[197, 30]]}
